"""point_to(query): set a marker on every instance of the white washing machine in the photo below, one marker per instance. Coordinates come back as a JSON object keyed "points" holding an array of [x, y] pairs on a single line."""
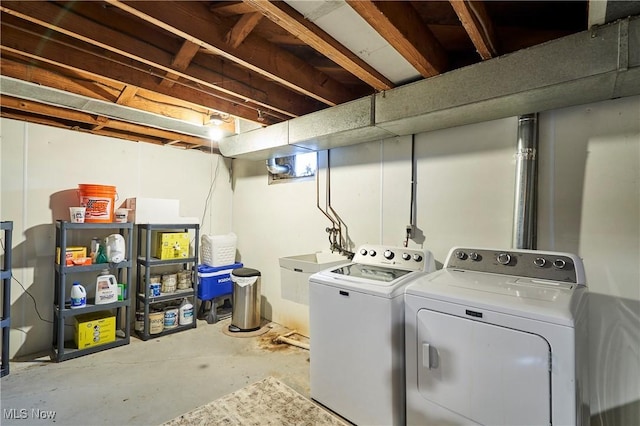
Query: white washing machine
{"points": [[498, 338], [357, 333]]}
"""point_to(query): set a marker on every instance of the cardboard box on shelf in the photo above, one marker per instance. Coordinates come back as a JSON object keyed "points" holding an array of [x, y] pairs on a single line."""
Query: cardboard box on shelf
{"points": [[170, 245], [156, 211], [73, 252], [95, 328]]}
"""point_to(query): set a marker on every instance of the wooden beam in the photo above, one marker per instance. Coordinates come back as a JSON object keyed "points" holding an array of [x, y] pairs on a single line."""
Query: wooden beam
{"points": [[476, 21], [399, 24], [80, 83], [193, 21], [295, 23], [116, 69], [181, 62], [86, 118], [223, 73], [72, 25], [126, 95], [242, 28]]}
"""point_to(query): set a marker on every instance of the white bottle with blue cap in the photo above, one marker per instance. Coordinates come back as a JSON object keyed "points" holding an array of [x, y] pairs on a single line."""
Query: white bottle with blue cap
{"points": [[78, 296]]}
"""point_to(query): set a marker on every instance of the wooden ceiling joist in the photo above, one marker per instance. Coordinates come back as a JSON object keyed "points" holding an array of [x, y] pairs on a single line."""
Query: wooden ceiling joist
{"points": [[476, 21], [181, 61], [399, 24], [242, 28], [89, 121], [79, 28], [295, 23], [120, 70], [193, 21]]}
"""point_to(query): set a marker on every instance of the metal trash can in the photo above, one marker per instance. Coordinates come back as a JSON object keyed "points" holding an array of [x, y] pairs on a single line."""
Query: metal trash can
{"points": [[245, 315]]}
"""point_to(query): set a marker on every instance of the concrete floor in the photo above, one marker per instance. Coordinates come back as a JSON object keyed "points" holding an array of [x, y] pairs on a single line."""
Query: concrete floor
{"points": [[148, 383]]}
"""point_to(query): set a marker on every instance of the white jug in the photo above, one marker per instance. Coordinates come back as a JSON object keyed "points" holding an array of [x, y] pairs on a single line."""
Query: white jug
{"points": [[115, 248], [106, 289], [78, 296]]}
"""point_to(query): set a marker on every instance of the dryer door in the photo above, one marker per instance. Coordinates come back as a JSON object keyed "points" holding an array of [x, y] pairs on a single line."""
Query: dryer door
{"points": [[489, 374]]}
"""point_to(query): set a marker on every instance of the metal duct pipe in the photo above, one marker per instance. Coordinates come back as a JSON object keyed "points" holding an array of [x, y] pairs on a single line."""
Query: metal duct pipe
{"points": [[526, 192], [277, 169]]}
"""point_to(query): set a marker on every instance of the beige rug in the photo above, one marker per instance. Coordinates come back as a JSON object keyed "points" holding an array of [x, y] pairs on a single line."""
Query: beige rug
{"points": [[267, 402]]}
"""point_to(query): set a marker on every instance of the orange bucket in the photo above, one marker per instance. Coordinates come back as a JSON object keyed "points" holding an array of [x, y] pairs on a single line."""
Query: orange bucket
{"points": [[99, 201]]}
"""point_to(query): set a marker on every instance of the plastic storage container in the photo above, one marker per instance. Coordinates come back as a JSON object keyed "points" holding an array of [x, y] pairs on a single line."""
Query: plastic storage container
{"points": [[215, 281], [245, 315], [218, 250]]}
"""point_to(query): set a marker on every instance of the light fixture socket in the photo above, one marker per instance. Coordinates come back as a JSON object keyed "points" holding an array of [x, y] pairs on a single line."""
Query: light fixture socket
{"points": [[216, 119]]}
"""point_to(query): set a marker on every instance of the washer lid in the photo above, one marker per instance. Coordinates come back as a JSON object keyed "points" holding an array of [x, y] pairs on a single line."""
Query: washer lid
{"points": [[380, 274], [549, 301]]}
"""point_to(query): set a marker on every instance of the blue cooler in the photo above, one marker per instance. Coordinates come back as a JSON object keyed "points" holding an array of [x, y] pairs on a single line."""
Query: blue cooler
{"points": [[214, 288]]}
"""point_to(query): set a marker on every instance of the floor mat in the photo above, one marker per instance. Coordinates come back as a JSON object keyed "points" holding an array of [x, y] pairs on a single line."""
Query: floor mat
{"points": [[267, 402]]}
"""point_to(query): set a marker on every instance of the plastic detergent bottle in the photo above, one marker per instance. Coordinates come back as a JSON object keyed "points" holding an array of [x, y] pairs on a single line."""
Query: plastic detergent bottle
{"points": [[78, 296], [185, 313], [106, 288]]}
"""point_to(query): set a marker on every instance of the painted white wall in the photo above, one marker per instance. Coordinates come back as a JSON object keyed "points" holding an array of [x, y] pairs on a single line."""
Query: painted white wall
{"points": [[41, 168], [589, 204]]}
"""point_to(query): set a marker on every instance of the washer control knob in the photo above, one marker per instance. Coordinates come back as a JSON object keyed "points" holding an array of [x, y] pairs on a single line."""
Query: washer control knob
{"points": [[388, 254], [363, 252], [559, 264], [474, 256], [461, 255], [539, 262], [417, 257], [372, 253], [406, 256], [504, 258]]}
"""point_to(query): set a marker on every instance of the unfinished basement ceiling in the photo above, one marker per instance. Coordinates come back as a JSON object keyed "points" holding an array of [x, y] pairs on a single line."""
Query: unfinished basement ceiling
{"points": [[177, 62]]}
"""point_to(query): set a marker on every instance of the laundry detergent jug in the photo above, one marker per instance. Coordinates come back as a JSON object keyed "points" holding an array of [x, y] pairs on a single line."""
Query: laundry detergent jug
{"points": [[106, 288], [115, 248]]}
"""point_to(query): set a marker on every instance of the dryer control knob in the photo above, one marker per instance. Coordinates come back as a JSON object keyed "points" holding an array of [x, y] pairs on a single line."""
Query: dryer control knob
{"points": [[461, 255], [406, 256], [417, 257], [504, 258], [363, 252], [539, 262], [372, 253], [388, 254], [474, 256], [559, 264]]}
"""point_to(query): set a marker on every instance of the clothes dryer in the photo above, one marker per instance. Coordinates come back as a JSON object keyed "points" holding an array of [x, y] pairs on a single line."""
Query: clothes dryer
{"points": [[498, 337]]}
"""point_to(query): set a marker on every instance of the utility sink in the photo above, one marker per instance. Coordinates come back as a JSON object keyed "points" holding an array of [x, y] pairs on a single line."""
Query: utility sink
{"points": [[312, 262], [296, 270]]}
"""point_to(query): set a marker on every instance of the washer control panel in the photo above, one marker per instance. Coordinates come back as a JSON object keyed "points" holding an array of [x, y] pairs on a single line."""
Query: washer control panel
{"points": [[399, 257], [552, 266]]}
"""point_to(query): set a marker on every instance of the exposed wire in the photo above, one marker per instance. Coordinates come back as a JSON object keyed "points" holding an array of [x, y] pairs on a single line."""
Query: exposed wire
{"points": [[35, 303], [211, 187]]}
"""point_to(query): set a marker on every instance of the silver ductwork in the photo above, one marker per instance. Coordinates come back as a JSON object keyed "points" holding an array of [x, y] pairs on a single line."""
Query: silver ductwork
{"points": [[595, 65], [526, 187], [277, 169]]}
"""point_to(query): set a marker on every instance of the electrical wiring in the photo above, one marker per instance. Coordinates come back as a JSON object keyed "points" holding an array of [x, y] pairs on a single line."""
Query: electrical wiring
{"points": [[35, 303], [211, 187]]}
